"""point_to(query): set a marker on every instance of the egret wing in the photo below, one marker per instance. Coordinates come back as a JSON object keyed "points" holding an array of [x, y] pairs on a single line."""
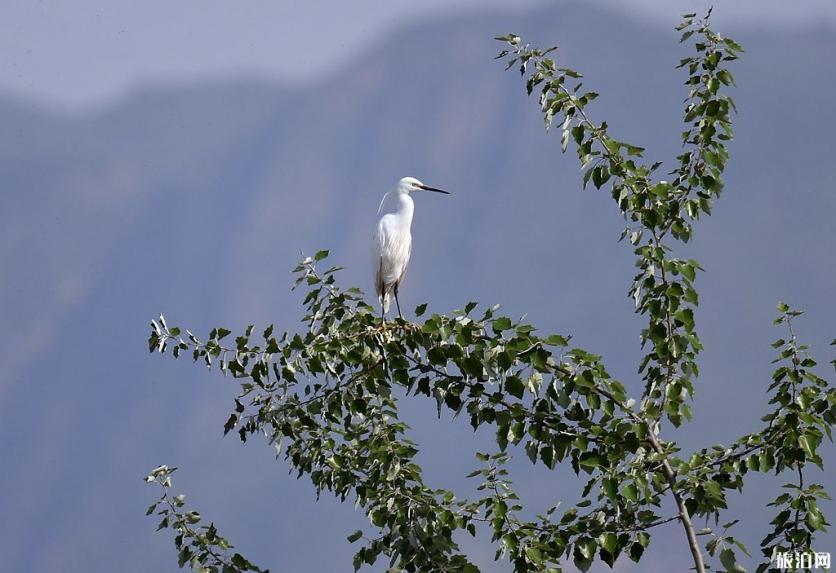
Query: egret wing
{"points": [[378, 246], [406, 264], [392, 247]]}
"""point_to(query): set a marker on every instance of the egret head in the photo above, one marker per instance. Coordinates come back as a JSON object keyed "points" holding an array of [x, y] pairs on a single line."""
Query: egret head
{"points": [[411, 184]]}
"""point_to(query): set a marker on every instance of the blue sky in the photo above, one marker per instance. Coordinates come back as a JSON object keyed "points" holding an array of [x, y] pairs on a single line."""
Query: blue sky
{"points": [[80, 54]]}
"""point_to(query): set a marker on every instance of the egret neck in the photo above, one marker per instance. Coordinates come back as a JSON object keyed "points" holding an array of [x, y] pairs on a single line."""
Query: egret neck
{"points": [[406, 207]]}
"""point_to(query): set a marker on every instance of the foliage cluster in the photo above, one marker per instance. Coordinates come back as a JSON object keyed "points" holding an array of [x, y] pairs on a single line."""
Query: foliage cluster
{"points": [[327, 397]]}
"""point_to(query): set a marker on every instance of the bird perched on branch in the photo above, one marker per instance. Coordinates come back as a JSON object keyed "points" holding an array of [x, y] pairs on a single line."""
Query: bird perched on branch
{"points": [[392, 243]]}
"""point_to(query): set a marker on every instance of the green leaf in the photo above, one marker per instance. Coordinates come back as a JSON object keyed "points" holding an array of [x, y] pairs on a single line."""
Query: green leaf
{"points": [[502, 436], [643, 538], [608, 541], [230, 423], [729, 561], [240, 561], [586, 547], [510, 542], [590, 461], [534, 555], [807, 445], [515, 386], [556, 340], [815, 520], [631, 492], [636, 551], [610, 489]]}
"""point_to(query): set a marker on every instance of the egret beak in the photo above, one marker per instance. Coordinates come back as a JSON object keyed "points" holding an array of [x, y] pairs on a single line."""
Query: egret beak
{"points": [[433, 189]]}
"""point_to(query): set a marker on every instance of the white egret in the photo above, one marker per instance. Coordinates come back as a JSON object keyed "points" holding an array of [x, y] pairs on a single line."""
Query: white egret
{"points": [[392, 243]]}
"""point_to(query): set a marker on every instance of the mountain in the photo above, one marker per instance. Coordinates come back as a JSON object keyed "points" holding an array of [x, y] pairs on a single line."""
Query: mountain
{"points": [[195, 200]]}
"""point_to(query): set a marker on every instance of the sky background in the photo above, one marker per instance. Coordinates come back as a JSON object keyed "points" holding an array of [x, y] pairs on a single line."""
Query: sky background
{"points": [[78, 55], [175, 157]]}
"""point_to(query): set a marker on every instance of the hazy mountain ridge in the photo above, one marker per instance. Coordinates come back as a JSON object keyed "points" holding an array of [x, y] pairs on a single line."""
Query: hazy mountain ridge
{"points": [[196, 200]]}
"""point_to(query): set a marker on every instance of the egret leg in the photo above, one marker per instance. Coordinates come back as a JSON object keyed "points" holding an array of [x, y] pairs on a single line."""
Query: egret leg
{"points": [[397, 302], [381, 292]]}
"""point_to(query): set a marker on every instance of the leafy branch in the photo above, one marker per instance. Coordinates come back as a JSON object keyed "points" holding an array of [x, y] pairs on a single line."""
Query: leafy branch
{"points": [[327, 397], [664, 289], [199, 546], [806, 411]]}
